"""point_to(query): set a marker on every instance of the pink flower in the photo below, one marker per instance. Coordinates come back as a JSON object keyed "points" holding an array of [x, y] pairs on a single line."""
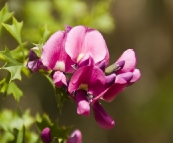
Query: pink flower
{"points": [[126, 73], [82, 40], [86, 84]]}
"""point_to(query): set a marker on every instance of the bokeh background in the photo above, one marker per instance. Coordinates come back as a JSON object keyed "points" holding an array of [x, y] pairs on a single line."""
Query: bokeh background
{"points": [[143, 112]]}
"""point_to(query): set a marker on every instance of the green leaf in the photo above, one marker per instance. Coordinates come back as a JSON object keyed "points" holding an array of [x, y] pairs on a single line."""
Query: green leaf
{"points": [[13, 66], [4, 15], [26, 72], [10, 88], [13, 125], [43, 122], [4, 84], [19, 135], [15, 30], [15, 71], [44, 33], [15, 91], [18, 52]]}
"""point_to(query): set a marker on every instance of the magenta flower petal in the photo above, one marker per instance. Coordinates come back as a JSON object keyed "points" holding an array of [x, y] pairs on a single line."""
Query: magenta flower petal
{"points": [[82, 40], [32, 55], [102, 65], [45, 135], [126, 76], [54, 56], [102, 118], [110, 79], [115, 89], [59, 79], [76, 137], [83, 107], [136, 76], [130, 61], [89, 78]]}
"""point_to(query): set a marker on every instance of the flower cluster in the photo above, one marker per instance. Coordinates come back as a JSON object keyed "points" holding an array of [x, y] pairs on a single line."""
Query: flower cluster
{"points": [[82, 53]]}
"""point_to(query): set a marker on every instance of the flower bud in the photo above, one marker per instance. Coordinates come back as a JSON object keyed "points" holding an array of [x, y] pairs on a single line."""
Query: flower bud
{"points": [[102, 65], [126, 76], [45, 135]]}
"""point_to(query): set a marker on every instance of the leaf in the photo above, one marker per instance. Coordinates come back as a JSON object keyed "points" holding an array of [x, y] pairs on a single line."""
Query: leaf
{"points": [[43, 122], [10, 88], [15, 127], [19, 135], [15, 91], [4, 84], [18, 53], [26, 72], [15, 30], [44, 33], [13, 66], [4, 15]]}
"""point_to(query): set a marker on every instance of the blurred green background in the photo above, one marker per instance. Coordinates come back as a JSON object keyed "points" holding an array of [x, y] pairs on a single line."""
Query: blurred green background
{"points": [[143, 112]]}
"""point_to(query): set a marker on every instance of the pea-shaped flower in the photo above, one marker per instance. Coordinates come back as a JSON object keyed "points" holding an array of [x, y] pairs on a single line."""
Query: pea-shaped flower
{"points": [[126, 74]]}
